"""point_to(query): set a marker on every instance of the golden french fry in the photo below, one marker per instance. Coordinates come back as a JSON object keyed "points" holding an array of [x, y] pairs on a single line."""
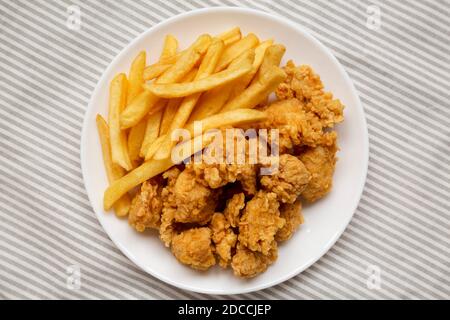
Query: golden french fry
{"points": [[113, 171], [143, 103], [170, 47], [146, 171], [207, 67], [151, 131], [272, 57], [155, 70], [169, 113], [257, 91], [142, 173], [230, 36], [185, 149], [212, 101], [155, 146], [176, 90], [242, 83], [229, 118], [172, 106], [135, 138], [236, 49], [117, 99], [230, 41], [136, 76]]}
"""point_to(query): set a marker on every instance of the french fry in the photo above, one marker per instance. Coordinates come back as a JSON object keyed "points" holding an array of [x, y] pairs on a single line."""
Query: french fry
{"points": [[236, 49], [142, 173], [272, 57], [136, 76], [230, 36], [172, 106], [229, 118], [243, 82], [257, 91], [176, 90], [148, 170], [169, 48], [155, 70], [113, 171], [212, 101], [169, 113], [152, 128], [154, 147], [135, 138], [184, 111], [142, 104], [117, 99]]}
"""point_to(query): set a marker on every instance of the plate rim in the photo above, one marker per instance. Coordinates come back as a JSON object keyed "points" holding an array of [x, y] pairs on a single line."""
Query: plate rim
{"points": [[348, 81]]}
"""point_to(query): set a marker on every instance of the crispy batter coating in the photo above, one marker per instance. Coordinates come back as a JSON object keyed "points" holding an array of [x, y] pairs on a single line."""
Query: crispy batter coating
{"points": [[296, 126], [320, 162], [146, 207], [289, 181], [305, 85], [194, 202], [260, 222], [166, 229], [193, 247], [233, 209], [219, 173], [223, 237], [247, 263], [292, 214]]}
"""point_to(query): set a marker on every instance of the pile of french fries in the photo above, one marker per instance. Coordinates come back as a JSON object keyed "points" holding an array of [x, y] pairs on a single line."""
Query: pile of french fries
{"points": [[217, 80]]}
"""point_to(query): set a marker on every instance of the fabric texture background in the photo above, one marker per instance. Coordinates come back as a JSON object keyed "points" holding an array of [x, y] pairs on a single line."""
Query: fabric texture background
{"points": [[401, 69]]}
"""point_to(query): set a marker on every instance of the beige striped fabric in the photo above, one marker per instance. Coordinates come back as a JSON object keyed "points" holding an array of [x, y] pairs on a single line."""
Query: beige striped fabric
{"points": [[396, 52]]}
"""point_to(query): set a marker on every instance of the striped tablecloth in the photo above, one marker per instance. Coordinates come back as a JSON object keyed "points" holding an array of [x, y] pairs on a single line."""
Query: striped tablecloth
{"points": [[396, 52]]}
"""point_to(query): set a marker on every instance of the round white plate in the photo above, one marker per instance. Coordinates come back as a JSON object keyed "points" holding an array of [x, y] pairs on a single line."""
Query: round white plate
{"points": [[324, 221]]}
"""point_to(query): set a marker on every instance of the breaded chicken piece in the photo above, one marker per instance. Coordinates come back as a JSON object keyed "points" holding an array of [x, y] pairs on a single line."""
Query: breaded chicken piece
{"points": [[247, 263], [166, 229], [292, 214], [223, 237], [193, 247], [260, 222], [195, 203], [219, 173], [289, 181], [305, 85], [295, 126], [233, 209], [146, 207], [320, 162]]}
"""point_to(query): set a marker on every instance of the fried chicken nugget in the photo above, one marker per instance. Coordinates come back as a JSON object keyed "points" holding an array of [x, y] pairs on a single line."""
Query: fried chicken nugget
{"points": [[193, 247], [247, 263], [233, 209], [320, 162], [223, 237], [260, 222], [195, 203], [305, 85], [166, 229], [289, 181], [146, 207], [292, 214]]}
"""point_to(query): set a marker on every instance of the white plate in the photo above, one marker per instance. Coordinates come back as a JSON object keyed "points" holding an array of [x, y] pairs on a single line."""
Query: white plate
{"points": [[325, 220]]}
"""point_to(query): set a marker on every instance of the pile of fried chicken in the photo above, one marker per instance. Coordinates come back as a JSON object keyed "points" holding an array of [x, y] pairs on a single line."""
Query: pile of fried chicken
{"points": [[230, 214]]}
